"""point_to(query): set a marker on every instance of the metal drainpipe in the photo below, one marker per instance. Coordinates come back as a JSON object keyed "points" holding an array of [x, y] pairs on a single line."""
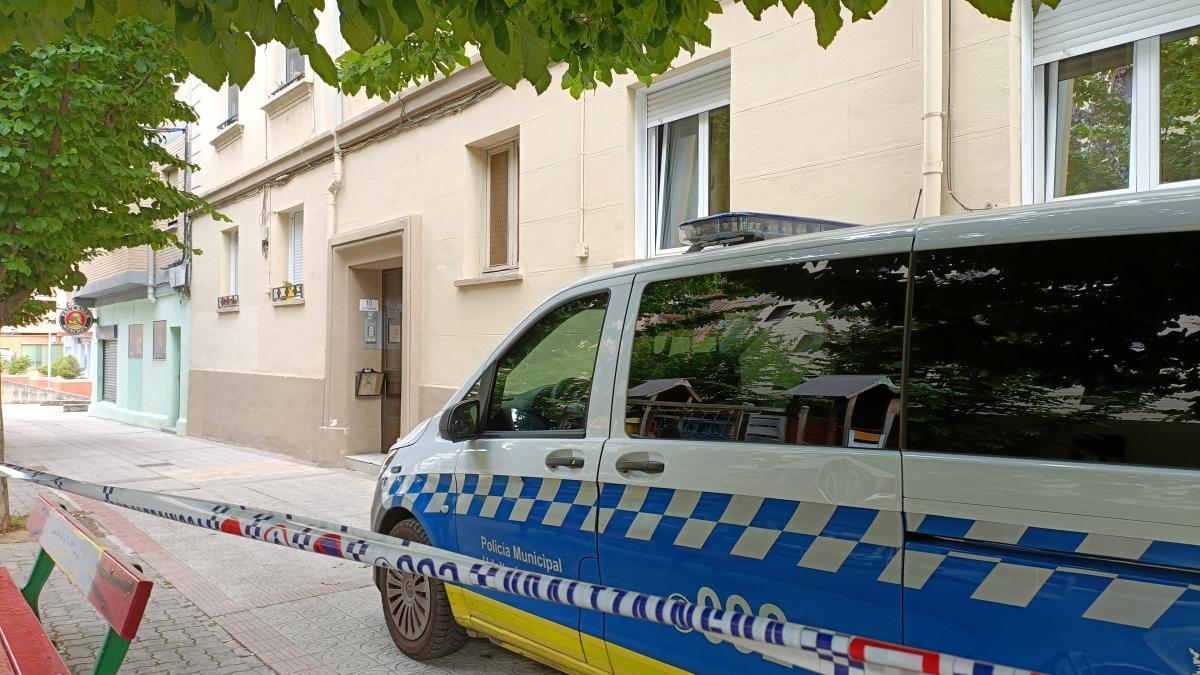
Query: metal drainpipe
{"points": [[335, 184], [933, 166]]}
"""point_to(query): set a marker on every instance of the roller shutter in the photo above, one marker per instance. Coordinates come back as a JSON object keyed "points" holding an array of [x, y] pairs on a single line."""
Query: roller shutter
{"points": [[1080, 26]]}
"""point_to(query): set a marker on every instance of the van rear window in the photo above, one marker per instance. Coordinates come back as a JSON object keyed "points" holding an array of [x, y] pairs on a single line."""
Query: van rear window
{"points": [[1082, 349]]}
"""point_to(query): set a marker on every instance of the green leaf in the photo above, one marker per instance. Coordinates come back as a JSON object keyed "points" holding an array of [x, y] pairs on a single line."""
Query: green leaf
{"points": [[322, 65], [997, 9], [828, 19]]}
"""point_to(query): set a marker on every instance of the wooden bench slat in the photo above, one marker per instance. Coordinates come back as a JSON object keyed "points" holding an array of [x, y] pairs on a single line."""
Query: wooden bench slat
{"points": [[24, 645], [117, 590]]}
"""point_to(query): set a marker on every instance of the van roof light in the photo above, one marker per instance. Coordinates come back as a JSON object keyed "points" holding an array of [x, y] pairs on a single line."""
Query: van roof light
{"points": [[730, 229]]}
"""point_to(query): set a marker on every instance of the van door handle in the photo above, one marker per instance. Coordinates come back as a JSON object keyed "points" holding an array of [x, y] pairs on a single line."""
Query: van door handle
{"points": [[645, 466], [565, 462]]}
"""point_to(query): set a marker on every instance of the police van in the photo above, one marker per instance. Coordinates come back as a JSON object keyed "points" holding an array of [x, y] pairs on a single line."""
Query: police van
{"points": [[973, 435]]}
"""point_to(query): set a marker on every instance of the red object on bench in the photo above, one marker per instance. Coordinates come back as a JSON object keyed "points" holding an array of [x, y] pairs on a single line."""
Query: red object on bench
{"points": [[24, 646]]}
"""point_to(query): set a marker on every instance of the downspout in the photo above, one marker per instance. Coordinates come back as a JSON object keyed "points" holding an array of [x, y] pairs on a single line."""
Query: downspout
{"points": [[335, 184], [582, 250], [933, 166]]}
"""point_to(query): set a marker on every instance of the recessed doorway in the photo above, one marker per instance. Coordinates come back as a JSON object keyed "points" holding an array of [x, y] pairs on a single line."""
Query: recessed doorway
{"points": [[392, 317]]}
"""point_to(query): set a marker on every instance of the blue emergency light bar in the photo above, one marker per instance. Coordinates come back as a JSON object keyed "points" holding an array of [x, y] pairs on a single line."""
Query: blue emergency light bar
{"points": [[729, 229]]}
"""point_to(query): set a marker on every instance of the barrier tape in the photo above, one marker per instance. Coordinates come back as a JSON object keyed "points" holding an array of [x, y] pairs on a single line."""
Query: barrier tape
{"points": [[838, 651]]}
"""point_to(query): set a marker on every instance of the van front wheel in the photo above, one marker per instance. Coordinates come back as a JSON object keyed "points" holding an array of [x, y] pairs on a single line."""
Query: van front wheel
{"points": [[416, 608]]}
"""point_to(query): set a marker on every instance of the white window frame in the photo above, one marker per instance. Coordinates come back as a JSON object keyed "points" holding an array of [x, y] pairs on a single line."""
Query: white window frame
{"points": [[513, 176], [232, 252], [289, 76], [646, 172], [233, 95], [294, 219], [1144, 142]]}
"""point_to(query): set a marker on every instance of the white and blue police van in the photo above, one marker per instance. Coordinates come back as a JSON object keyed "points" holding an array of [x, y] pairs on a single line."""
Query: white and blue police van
{"points": [[974, 435]]}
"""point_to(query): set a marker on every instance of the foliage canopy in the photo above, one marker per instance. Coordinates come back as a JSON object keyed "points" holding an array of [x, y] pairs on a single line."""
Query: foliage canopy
{"points": [[79, 161], [397, 42]]}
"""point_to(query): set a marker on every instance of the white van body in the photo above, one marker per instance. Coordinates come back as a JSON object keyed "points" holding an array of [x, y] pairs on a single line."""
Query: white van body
{"points": [[993, 450]]}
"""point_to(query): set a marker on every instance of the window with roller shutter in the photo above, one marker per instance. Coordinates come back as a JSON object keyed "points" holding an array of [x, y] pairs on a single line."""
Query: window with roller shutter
{"points": [[500, 208], [1114, 93], [295, 247]]}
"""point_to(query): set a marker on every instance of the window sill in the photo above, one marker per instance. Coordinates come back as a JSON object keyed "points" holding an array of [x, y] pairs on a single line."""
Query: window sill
{"points": [[227, 135], [291, 95], [227, 310], [290, 301], [506, 277]]}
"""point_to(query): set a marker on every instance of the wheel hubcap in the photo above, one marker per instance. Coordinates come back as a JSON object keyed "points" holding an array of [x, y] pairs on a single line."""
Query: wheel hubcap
{"points": [[408, 601]]}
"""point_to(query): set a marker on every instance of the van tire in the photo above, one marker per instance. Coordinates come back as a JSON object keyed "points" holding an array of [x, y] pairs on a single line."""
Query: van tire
{"points": [[421, 633]]}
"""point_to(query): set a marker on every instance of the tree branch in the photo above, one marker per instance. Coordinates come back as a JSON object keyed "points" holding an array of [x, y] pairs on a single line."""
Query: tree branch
{"points": [[11, 302]]}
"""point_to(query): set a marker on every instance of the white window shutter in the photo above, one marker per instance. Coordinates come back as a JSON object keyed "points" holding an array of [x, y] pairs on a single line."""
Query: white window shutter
{"points": [[666, 101], [296, 247], [1081, 26], [233, 263]]}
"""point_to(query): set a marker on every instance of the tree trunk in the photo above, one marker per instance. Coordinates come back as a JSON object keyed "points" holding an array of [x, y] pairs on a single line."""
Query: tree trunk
{"points": [[5, 517]]}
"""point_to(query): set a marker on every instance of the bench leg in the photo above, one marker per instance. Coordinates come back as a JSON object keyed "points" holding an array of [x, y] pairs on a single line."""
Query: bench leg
{"points": [[111, 654], [37, 579]]}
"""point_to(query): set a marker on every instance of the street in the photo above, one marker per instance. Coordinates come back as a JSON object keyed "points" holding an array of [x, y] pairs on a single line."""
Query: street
{"points": [[220, 604]]}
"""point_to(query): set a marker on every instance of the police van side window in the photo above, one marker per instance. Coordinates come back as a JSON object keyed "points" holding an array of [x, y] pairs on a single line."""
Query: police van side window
{"points": [[543, 382], [1084, 349], [801, 354]]}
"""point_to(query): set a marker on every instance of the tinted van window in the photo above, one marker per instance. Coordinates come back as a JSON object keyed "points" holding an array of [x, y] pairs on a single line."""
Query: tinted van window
{"points": [[1085, 349], [543, 382], [802, 354]]}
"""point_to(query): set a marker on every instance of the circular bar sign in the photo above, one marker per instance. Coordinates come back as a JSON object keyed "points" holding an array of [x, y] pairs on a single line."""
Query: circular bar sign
{"points": [[75, 319]]}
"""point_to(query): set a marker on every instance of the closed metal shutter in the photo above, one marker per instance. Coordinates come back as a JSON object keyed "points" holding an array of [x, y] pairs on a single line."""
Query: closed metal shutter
{"points": [[109, 374], [1081, 26], [667, 101]]}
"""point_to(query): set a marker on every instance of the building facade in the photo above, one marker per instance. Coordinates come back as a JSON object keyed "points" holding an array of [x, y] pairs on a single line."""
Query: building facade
{"points": [[140, 341], [376, 251]]}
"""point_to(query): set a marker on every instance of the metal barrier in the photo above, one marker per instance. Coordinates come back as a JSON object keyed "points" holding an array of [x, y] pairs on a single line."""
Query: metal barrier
{"points": [[810, 647]]}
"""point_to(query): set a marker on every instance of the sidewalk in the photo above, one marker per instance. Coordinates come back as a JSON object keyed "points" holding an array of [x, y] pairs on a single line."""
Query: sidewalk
{"points": [[220, 604]]}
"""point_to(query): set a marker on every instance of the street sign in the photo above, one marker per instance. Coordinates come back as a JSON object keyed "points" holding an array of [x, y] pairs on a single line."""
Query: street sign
{"points": [[75, 319]]}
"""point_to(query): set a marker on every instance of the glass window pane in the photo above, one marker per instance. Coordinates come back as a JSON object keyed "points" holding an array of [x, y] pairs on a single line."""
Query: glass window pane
{"points": [[802, 354], [718, 160], [1179, 121], [1078, 350], [544, 381], [678, 180], [1095, 103]]}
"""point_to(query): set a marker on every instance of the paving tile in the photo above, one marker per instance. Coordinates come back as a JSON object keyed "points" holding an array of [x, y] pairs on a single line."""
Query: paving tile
{"points": [[220, 604]]}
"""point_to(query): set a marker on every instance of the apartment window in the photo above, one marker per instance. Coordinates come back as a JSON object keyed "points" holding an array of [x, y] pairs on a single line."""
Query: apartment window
{"points": [[232, 92], [295, 247], [135, 340], [293, 65], [500, 208], [159, 337], [231, 243], [1120, 112], [686, 158]]}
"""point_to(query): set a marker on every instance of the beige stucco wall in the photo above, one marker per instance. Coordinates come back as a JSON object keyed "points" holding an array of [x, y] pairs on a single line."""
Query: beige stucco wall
{"points": [[830, 133]]}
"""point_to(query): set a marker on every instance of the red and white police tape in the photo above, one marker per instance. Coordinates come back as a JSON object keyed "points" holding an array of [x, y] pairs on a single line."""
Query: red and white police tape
{"points": [[817, 649]]}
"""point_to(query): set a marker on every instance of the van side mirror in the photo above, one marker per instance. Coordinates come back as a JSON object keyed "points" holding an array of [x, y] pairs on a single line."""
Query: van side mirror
{"points": [[460, 422]]}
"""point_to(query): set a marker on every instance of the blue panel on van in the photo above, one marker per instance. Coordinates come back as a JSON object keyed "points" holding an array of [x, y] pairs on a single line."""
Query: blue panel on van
{"points": [[420, 495], [1065, 614], [815, 564]]}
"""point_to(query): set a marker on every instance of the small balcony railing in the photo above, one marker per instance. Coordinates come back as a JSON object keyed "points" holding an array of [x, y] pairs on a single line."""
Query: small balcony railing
{"points": [[287, 293], [227, 302]]}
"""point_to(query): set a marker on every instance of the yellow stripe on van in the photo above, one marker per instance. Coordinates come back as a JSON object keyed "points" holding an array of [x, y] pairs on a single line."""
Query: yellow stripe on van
{"points": [[535, 637]]}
